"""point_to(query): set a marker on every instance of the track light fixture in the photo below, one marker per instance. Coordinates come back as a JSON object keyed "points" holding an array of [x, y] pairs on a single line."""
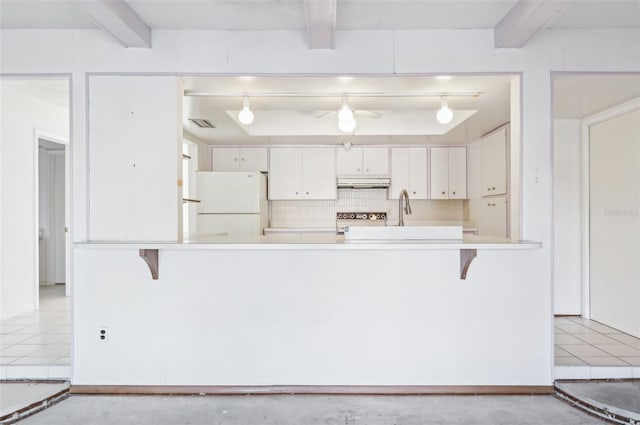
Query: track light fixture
{"points": [[444, 115], [245, 116]]}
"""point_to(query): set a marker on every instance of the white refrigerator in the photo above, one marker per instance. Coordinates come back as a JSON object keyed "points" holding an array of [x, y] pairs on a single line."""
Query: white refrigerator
{"points": [[233, 203]]}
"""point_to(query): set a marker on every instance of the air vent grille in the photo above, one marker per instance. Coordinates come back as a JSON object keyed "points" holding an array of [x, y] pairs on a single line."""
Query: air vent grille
{"points": [[202, 123]]}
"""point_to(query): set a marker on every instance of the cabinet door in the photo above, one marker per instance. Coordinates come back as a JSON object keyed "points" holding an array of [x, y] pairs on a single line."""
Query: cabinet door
{"points": [[319, 173], [375, 161], [225, 159], [493, 157], [417, 173], [253, 159], [439, 165], [399, 171], [458, 173], [285, 175], [349, 161], [493, 220]]}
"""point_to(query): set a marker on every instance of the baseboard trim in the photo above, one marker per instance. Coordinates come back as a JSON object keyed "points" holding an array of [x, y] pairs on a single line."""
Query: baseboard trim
{"points": [[312, 390]]}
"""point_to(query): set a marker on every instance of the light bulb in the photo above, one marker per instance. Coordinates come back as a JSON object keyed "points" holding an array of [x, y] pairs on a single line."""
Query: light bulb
{"points": [[347, 126], [444, 115], [245, 116], [345, 113]]}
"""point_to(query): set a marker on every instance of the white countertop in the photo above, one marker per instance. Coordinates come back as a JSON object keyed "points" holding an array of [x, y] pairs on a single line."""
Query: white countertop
{"points": [[288, 241]]}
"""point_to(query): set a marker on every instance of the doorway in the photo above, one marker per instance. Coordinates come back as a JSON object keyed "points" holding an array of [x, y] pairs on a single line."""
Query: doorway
{"points": [[51, 212]]}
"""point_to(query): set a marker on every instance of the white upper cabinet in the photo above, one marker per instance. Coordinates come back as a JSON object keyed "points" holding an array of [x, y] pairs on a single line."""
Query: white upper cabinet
{"points": [[239, 159], [319, 173], [297, 173], [493, 163], [448, 172], [363, 161], [408, 171]]}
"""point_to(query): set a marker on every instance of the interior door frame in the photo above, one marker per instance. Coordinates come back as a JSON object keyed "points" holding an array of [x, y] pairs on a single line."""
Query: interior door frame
{"points": [[585, 126], [37, 136]]}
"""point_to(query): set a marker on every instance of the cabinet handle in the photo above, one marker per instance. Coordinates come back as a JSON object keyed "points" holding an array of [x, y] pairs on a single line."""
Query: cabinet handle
{"points": [[454, 192], [414, 192], [443, 192], [493, 188], [488, 188], [235, 159], [296, 193], [366, 170], [357, 169], [307, 193], [242, 159]]}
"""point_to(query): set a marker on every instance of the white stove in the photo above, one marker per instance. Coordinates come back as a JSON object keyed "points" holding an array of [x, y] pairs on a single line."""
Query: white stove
{"points": [[346, 219]]}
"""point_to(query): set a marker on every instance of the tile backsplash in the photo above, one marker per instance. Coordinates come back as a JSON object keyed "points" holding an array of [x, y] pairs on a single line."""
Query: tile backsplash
{"points": [[323, 213]]}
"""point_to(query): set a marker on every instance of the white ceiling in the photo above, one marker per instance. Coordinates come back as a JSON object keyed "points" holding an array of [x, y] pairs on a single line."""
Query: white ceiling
{"points": [[289, 14], [403, 120]]}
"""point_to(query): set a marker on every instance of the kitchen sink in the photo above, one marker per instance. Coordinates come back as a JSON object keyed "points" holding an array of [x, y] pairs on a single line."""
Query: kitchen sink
{"points": [[403, 233]]}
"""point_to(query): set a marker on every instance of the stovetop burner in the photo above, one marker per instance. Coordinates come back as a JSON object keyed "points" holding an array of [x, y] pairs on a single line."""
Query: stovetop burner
{"points": [[373, 216]]}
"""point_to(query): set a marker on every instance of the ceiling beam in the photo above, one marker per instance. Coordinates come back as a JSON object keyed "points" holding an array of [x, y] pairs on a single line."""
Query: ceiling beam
{"points": [[321, 23], [119, 20], [525, 19]]}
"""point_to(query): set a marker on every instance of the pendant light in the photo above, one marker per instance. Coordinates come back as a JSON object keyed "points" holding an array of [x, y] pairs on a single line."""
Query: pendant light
{"points": [[444, 115], [346, 120], [347, 126], [345, 113], [245, 116]]}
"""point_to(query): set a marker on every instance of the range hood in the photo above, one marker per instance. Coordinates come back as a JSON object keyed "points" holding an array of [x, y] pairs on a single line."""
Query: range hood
{"points": [[363, 182]]}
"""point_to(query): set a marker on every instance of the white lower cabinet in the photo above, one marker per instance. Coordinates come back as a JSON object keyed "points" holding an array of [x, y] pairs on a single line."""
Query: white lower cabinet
{"points": [[408, 171], [302, 173], [448, 175], [493, 216]]}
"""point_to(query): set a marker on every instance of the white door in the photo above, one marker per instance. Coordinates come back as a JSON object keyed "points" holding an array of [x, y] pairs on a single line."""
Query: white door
{"points": [[319, 173], [458, 173], [493, 217], [349, 161], [399, 171], [285, 173], [614, 222], [439, 163], [418, 173], [231, 224], [375, 161], [225, 159], [493, 156], [253, 159], [228, 192]]}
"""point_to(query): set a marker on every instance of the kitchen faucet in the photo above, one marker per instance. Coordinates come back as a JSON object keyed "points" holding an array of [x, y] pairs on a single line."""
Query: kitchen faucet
{"points": [[407, 207]]}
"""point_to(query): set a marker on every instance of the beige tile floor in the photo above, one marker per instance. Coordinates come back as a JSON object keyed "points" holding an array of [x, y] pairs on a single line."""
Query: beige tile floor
{"points": [[580, 342], [37, 345]]}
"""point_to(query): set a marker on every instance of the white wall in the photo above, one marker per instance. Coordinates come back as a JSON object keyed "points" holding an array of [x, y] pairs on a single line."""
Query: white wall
{"points": [[310, 316], [369, 52], [135, 159], [566, 216], [21, 115]]}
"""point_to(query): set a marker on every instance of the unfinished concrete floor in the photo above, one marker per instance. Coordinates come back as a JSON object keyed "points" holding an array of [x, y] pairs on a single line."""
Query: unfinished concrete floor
{"points": [[302, 410]]}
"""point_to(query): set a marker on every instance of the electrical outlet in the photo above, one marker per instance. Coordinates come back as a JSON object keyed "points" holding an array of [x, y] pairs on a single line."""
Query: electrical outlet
{"points": [[103, 333]]}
